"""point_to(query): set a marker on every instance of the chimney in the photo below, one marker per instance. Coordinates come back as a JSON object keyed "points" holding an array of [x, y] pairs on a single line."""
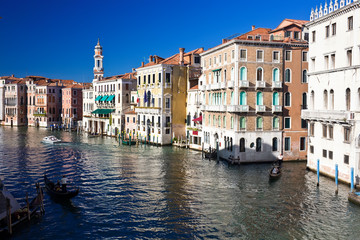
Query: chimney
{"points": [[253, 27], [156, 59], [133, 69], [142, 64], [12, 75], [182, 56], [150, 58]]}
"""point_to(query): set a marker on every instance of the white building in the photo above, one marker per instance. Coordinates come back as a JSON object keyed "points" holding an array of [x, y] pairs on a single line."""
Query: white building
{"points": [[334, 89], [110, 99]]}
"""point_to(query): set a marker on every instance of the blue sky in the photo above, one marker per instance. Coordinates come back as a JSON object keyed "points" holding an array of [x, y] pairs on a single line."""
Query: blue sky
{"points": [[56, 39]]}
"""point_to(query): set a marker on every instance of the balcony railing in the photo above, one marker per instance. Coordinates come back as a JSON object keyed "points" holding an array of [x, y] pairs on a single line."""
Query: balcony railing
{"points": [[238, 108], [327, 115], [260, 108], [222, 85], [276, 108], [203, 87], [215, 108], [276, 84], [231, 84], [260, 84], [148, 110], [244, 84]]}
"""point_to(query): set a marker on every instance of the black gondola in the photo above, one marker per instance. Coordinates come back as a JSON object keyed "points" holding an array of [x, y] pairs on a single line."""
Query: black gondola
{"points": [[58, 193]]}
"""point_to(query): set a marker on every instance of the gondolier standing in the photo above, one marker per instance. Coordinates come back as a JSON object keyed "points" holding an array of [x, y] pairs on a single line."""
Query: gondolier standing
{"points": [[280, 159], [64, 182]]}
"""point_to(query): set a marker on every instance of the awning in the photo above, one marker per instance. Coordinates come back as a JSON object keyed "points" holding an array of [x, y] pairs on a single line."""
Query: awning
{"points": [[98, 98], [199, 119], [104, 98], [103, 111], [215, 70], [110, 98]]}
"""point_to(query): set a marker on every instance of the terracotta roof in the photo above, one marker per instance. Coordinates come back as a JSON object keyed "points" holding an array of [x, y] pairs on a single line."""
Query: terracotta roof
{"points": [[75, 86], [288, 22], [263, 32], [194, 87], [124, 76], [131, 112]]}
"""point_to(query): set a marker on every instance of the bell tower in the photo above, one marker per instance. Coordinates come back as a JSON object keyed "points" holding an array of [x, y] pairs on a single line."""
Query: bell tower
{"points": [[98, 57]]}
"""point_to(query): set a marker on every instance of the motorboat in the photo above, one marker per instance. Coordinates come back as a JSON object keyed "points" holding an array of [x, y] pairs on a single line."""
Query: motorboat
{"points": [[51, 140]]}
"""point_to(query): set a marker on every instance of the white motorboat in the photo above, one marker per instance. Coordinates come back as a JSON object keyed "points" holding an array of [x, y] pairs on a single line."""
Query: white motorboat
{"points": [[51, 140]]}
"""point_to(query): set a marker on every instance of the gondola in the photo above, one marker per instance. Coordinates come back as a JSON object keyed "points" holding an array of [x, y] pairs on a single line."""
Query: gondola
{"points": [[19, 214], [275, 172], [127, 142], [354, 197], [50, 187]]}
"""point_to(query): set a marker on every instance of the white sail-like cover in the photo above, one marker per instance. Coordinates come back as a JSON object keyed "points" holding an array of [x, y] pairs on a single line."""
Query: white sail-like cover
{"points": [[4, 193]]}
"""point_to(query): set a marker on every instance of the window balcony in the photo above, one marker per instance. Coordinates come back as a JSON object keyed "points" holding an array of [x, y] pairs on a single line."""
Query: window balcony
{"points": [[231, 84], [260, 108], [327, 115], [244, 84], [260, 84], [276, 108], [276, 84], [215, 108], [215, 86], [203, 87], [148, 110], [238, 108], [223, 85]]}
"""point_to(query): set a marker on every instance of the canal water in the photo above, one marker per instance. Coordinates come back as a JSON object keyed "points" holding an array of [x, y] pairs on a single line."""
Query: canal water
{"points": [[149, 192]]}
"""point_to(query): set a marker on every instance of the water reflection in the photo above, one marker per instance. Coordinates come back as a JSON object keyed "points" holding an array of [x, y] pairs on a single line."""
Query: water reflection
{"points": [[147, 192]]}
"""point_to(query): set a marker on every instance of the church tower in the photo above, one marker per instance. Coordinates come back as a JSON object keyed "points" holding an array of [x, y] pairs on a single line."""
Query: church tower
{"points": [[98, 57]]}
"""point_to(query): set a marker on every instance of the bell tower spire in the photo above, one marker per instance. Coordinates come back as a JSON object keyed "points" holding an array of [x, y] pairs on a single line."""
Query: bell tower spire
{"points": [[98, 57]]}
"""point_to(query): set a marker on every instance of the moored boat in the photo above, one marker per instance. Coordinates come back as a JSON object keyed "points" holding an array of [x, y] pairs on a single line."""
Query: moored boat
{"points": [[12, 214], [275, 172], [57, 192], [128, 142], [354, 197], [51, 140]]}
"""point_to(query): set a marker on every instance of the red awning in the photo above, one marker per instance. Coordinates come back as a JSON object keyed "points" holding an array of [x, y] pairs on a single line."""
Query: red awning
{"points": [[199, 119]]}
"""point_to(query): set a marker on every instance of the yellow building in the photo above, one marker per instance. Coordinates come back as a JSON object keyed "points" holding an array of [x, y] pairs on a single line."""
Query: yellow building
{"points": [[162, 91]]}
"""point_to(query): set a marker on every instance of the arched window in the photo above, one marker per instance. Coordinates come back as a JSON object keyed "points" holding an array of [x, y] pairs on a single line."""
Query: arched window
{"points": [[214, 120], [224, 75], [287, 75], [304, 76], [232, 122], [209, 120], [312, 99], [259, 98], [259, 74], [276, 75], [231, 144], [224, 98], [232, 98], [242, 123], [242, 98], [276, 99], [258, 144], [287, 99], [232, 74], [242, 145], [304, 100], [219, 121], [276, 123], [224, 121], [274, 144], [347, 99], [243, 74], [259, 123], [331, 100], [325, 100]]}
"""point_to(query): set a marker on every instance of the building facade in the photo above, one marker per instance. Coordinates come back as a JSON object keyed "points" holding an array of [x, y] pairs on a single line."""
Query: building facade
{"points": [[334, 89], [72, 107], [162, 91], [243, 85]]}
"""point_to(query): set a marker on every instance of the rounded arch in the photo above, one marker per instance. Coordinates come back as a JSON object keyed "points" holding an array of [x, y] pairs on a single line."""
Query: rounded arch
{"points": [[242, 98], [287, 99], [232, 74], [276, 75], [242, 145], [304, 100], [275, 144], [258, 144], [242, 123], [259, 123], [331, 99], [243, 73], [288, 75], [348, 99], [259, 98], [276, 98], [304, 76], [259, 74], [312, 99], [276, 123], [325, 99]]}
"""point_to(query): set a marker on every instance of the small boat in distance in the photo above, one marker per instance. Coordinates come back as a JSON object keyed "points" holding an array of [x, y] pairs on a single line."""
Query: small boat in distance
{"points": [[275, 172], [128, 142], [51, 140], [58, 192]]}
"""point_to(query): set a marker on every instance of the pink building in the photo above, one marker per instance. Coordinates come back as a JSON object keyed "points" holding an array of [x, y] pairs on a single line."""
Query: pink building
{"points": [[130, 124], [72, 105]]}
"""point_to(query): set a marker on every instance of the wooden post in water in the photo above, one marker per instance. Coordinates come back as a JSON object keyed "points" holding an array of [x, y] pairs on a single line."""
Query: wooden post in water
{"points": [[27, 206], [217, 151], [352, 179], [8, 213], [202, 151], [145, 141], [130, 140], [318, 172], [157, 141], [336, 178]]}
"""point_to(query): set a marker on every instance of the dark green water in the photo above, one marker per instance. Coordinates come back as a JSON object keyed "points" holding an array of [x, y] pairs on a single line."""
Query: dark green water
{"points": [[168, 193]]}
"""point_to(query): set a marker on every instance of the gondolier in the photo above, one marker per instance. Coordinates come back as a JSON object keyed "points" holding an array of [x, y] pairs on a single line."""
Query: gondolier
{"points": [[64, 182]]}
